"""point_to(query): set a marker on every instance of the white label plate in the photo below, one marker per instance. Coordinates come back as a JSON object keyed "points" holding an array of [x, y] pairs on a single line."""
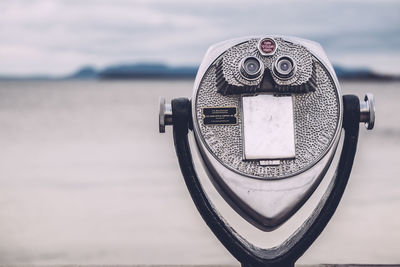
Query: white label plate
{"points": [[268, 127]]}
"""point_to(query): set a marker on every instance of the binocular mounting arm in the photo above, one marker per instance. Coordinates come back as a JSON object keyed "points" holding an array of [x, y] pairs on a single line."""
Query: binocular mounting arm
{"points": [[178, 114]]}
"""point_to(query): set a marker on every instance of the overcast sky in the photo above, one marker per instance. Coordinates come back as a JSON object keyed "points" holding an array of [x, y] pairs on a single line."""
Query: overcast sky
{"points": [[59, 36]]}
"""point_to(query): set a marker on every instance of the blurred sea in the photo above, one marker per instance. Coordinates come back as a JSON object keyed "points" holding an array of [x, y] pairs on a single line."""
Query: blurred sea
{"points": [[86, 178]]}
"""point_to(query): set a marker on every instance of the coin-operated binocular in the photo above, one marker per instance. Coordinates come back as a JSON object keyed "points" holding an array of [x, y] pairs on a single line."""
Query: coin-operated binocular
{"points": [[267, 115]]}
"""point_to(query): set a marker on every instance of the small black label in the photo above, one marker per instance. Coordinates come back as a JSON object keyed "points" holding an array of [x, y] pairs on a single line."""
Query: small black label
{"points": [[220, 116]]}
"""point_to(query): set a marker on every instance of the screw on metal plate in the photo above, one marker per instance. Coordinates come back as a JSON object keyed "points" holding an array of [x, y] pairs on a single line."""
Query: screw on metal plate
{"points": [[165, 116], [367, 111]]}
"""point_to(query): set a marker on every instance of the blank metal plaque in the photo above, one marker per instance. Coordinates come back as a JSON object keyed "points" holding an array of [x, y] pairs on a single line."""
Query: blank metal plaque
{"points": [[268, 127]]}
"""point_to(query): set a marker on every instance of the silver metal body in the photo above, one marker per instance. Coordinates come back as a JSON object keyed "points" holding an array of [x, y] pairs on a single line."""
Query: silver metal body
{"points": [[267, 153], [265, 196]]}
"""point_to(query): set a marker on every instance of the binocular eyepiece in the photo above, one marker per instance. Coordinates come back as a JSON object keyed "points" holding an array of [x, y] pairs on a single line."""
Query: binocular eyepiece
{"points": [[251, 68]]}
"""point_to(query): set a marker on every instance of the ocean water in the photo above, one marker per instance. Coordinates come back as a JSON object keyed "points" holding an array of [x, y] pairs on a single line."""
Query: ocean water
{"points": [[86, 178]]}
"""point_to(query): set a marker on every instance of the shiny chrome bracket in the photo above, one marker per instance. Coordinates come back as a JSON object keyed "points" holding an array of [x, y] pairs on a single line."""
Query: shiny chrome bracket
{"points": [[367, 111], [165, 115]]}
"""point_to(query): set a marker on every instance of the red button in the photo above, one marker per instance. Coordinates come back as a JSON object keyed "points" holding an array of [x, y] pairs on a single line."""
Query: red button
{"points": [[267, 46]]}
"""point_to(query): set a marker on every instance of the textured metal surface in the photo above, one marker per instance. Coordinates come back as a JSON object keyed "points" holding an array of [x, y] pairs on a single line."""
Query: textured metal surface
{"points": [[266, 202], [316, 113], [230, 81]]}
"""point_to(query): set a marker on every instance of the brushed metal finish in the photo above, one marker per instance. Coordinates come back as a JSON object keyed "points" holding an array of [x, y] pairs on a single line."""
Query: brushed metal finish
{"points": [[265, 203], [367, 111]]}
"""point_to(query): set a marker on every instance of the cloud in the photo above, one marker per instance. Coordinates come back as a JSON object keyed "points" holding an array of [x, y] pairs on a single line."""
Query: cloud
{"points": [[58, 36]]}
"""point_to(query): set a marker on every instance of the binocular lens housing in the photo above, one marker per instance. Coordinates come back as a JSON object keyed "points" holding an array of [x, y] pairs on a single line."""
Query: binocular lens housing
{"points": [[284, 67], [251, 68]]}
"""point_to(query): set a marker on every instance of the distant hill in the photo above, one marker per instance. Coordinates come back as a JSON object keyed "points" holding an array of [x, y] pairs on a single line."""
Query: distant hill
{"points": [[361, 74], [162, 71], [87, 72], [136, 71]]}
